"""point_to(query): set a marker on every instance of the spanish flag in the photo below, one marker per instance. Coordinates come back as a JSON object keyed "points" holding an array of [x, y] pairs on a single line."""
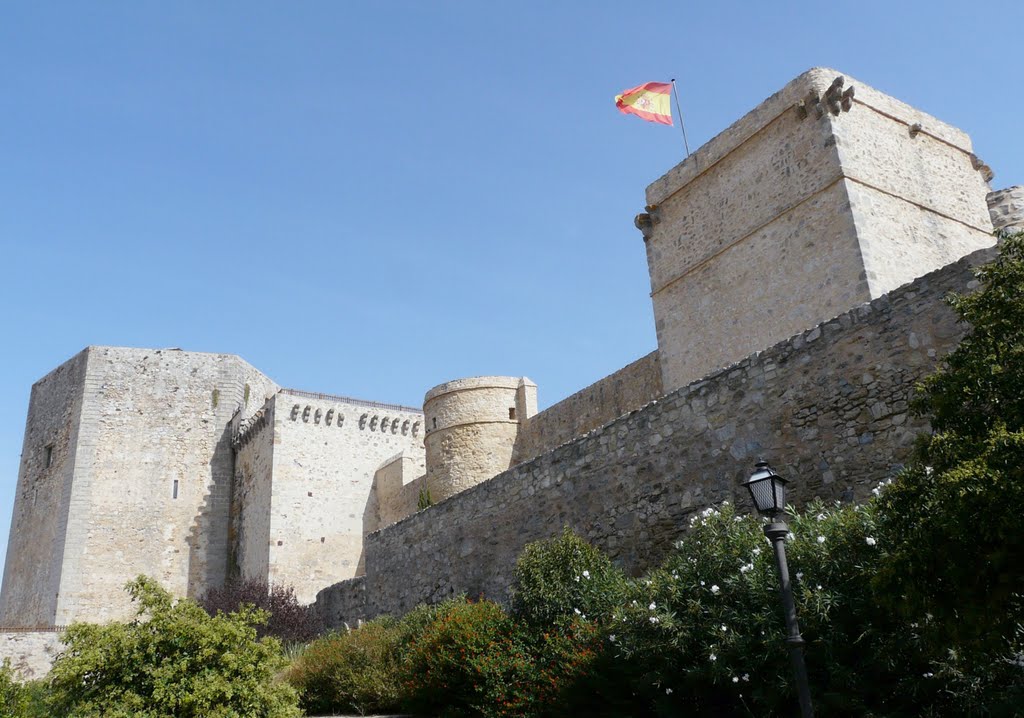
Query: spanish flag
{"points": [[650, 101]]}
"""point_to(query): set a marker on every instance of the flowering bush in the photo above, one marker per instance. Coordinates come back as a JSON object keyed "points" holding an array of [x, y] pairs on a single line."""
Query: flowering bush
{"points": [[562, 580]]}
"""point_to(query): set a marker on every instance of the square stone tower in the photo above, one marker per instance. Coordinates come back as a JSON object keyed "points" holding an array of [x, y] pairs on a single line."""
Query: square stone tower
{"points": [[825, 196]]}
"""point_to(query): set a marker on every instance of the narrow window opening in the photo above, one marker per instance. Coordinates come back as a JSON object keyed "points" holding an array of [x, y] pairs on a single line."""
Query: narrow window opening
{"points": [[309, 493], [174, 490], [435, 422], [280, 543], [321, 539], [47, 456], [512, 413]]}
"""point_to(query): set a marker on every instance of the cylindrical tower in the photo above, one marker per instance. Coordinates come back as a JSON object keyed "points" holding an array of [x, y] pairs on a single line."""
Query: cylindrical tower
{"points": [[472, 426]]}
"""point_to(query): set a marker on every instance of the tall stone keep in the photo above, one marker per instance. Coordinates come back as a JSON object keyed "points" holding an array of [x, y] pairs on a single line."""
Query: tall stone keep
{"points": [[126, 470], [825, 196], [472, 427]]}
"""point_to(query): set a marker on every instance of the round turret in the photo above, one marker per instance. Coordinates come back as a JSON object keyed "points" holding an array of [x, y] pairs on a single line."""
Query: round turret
{"points": [[471, 431]]}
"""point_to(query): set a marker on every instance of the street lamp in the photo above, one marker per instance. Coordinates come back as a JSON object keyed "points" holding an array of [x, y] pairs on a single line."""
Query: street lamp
{"points": [[768, 490]]}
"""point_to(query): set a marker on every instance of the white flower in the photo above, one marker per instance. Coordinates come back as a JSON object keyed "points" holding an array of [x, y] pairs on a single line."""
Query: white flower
{"points": [[821, 539], [723, 627], [652, 606], [746, 677], [576, 579], [928, 675], [654, 619], [577, 611], [668, 691], [799, 575], [746, 567], [712, 657], [612, 638], [820, 517], [757, 551], [735, 679], [819, 586], [870, 541], [790, 536], [701, 583], [586, 574], [715, 588], [876, 491]]}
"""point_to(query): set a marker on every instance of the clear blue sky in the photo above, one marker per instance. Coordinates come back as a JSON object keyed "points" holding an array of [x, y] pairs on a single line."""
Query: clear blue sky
{"points": [[371, 198]]}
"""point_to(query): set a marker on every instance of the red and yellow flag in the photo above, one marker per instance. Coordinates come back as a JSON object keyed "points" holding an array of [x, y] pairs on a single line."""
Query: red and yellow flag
{"points": [[649, 101]]}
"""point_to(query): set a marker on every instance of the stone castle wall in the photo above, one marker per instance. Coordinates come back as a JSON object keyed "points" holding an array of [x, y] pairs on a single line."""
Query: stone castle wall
{"points": [[627, 389], [472, 425], [326, 453], [1007, 209], [251, 495], [147, 446], [31, 653], [828, 407], [32, 574], [796, 213]]}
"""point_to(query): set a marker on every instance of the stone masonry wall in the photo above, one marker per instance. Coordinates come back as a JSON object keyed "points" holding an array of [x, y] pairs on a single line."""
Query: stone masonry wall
{"points": [[1007, 208], [251, 496], [796, 213], [32, 573], [153, 422], [31, 652], [828, 407], [627, 389], [326, 452]]}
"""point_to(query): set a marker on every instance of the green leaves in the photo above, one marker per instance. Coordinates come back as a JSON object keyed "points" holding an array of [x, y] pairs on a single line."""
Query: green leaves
{"points": [[171, 660]]}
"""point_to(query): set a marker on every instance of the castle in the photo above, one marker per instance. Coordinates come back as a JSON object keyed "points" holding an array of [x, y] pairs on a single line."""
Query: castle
{"points": [[798, 263]]}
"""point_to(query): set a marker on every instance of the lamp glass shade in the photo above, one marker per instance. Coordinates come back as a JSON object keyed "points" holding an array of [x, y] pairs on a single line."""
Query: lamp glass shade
{"points": [[767, 489]]}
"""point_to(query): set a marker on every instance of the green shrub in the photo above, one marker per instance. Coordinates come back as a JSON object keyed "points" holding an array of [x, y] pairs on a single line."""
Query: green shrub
{"points": [[467, 661], [561, 579], [353, 671], [172, 660], [704, 634], [954, 515]]}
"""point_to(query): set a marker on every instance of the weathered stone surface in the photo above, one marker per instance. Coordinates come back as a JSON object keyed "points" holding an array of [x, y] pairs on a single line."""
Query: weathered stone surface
{"points": [[1007, 208], [31, 652], [140, 481], [627, 389], [828, 407], [305, 516], [472, 425], [794, 215]]}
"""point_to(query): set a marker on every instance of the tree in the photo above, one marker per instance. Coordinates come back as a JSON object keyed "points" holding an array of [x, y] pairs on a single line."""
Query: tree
{"points": [[171, 660], [954, 515]]}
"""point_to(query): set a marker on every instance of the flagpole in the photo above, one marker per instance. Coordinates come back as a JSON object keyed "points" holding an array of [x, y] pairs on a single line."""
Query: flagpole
{"points": [[680, 113]]}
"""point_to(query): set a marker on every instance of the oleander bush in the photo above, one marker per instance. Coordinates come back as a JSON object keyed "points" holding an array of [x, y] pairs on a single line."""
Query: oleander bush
{"points": [[564, 579], [173, 659]]}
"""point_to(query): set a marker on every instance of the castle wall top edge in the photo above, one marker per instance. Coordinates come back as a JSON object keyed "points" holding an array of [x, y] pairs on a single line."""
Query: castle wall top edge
{"points": [[351, 400], [475, 382], [815, 80]]}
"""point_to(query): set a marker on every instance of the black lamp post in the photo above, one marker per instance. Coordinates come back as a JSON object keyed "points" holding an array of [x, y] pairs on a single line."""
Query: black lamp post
{"points": [[768, 490]]}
